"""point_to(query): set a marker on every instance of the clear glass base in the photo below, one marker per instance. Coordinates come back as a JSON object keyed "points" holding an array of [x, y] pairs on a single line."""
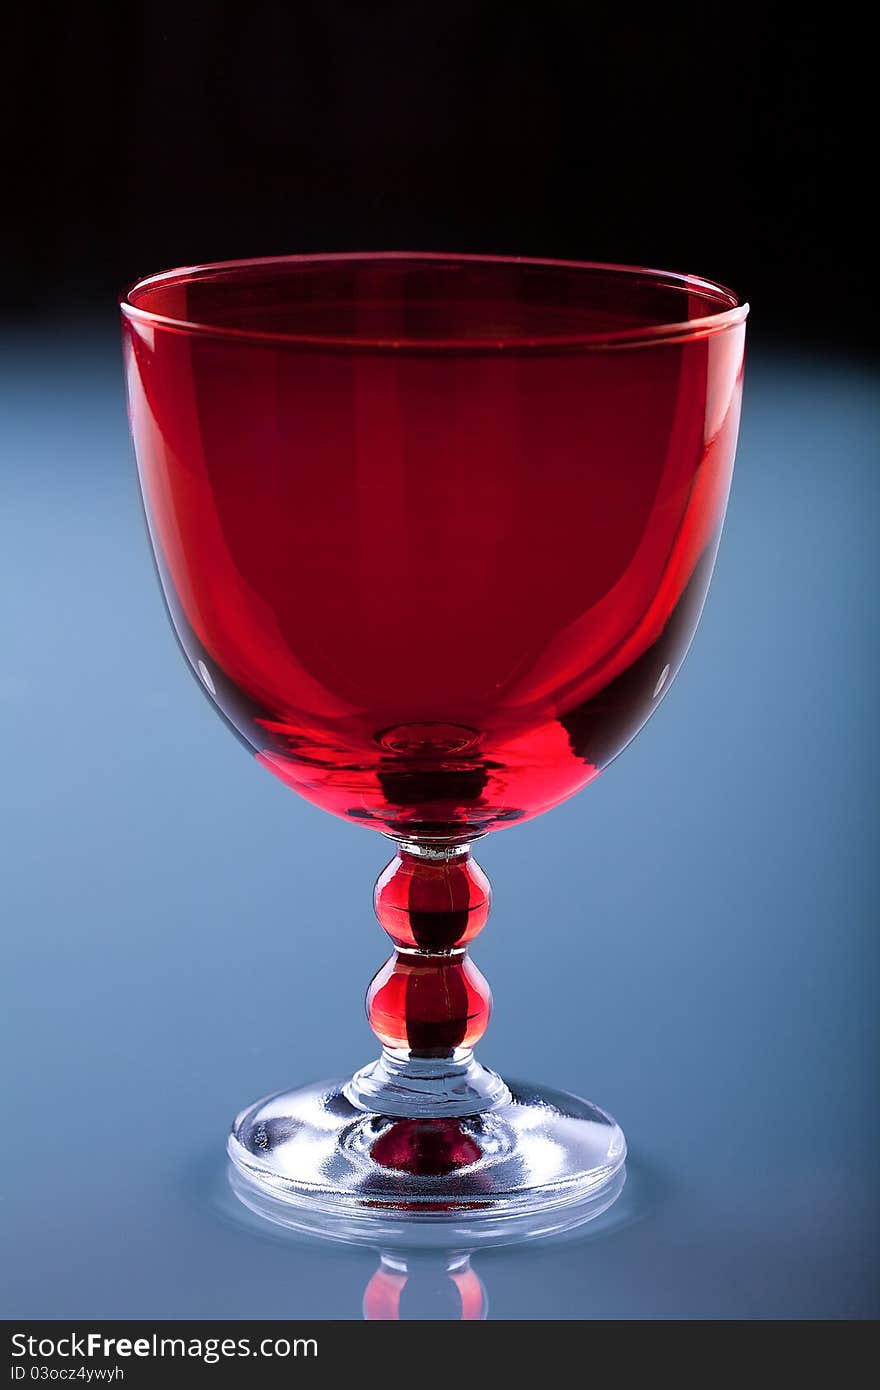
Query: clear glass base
{"points": [[536, 1152], [410, 1088]]}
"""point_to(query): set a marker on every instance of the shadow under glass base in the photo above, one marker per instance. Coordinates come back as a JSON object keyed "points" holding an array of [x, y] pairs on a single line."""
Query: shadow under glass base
{"points": [[533, 1153]]}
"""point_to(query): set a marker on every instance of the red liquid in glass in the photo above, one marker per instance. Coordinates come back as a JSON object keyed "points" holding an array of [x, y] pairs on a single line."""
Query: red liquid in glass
{"points": [[437, 558]]}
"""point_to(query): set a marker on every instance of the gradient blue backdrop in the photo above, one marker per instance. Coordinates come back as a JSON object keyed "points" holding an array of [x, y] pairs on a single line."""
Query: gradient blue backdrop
{"points": [[693, 935]]}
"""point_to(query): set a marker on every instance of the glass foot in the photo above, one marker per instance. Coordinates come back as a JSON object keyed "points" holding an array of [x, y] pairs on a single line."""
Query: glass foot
{"points": [[540, 1151], [426, 1135]]}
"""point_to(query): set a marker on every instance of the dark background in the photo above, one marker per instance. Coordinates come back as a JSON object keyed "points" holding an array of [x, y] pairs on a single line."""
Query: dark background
{"points": [[143, 136]]}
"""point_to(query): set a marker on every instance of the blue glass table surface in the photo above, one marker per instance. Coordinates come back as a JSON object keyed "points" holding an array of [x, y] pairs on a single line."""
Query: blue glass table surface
{"points": [[689, 942]]}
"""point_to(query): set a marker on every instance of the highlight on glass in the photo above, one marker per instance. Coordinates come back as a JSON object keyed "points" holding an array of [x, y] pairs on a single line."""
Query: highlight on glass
{"points": [[434, 533]]}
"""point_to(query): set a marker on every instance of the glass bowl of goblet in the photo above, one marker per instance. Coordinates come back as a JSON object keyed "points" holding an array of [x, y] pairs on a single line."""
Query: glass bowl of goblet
{"points": [[434, 533]]}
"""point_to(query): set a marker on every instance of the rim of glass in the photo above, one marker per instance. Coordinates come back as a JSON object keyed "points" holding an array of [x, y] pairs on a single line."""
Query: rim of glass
{"points": [[732, 310]]}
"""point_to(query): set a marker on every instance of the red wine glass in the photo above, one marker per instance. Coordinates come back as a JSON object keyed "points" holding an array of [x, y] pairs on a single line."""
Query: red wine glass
{"points": [[434, 533]]}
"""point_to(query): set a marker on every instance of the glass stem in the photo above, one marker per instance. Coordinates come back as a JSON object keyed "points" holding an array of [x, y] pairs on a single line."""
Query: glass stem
{"points": [[429, 1003]]}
